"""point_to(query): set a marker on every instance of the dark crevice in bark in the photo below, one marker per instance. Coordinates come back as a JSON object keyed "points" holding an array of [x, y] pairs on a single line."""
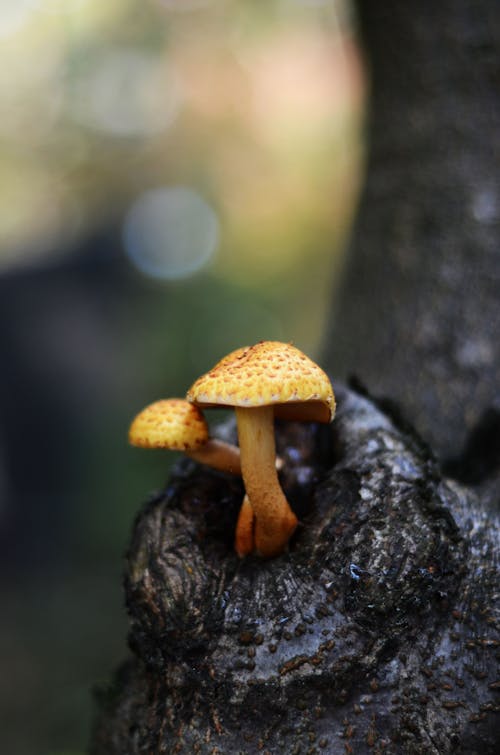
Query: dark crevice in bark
{"points": [[480, 457]]}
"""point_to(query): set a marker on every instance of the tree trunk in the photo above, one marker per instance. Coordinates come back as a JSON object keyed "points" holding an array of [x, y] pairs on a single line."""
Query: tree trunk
{"points": [[419, 316], [376, 631]]}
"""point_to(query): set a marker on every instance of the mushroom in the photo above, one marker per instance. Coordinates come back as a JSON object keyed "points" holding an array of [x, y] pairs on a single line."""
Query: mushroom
{"points": [[177, 425], [244, 537], [263, 381]]}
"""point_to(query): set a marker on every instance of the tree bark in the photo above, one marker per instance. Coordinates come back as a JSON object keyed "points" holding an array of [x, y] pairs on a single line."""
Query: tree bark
{"points": [[419, 314], [376, 632]]}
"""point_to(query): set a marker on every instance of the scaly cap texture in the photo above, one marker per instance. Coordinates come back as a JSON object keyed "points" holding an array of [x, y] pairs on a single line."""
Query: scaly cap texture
{"points": [[269, 373], [170, 423]]}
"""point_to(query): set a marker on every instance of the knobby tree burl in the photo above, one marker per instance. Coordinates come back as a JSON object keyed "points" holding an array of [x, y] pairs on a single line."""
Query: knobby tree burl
{"points": [[377, 631]]}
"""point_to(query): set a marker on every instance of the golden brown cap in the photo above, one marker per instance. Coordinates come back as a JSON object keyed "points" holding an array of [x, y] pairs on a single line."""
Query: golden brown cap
{"points": [[269, 373], [171, 423]]}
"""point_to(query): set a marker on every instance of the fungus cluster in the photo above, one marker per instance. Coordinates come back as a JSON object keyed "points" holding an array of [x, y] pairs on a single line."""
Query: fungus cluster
{"points": [[261, 382]]}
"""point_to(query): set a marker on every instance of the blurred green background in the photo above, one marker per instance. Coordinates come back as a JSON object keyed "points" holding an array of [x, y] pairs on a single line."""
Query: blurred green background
{"points": [[177, 179]]}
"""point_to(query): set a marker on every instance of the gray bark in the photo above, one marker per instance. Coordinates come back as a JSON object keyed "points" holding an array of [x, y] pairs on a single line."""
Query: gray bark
{"points": [[419, 313], [377, 631]]}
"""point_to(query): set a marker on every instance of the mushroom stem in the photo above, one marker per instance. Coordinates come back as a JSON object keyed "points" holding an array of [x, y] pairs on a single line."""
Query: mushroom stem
{"points": [[244, 537], [275, 521], [218, 455]]}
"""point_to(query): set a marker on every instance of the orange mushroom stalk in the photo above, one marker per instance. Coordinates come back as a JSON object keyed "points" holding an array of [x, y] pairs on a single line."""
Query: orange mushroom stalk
{"points": [[275, 520], [244, 537], [177, 425], [261, 381]]}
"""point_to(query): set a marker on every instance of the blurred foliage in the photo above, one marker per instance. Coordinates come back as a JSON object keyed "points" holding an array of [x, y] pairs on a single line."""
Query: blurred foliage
{"points": [[255, 107], [132, 134]]}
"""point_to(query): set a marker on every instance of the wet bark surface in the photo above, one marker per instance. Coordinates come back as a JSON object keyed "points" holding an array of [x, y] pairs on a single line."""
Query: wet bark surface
{"points": [[375, 632]]}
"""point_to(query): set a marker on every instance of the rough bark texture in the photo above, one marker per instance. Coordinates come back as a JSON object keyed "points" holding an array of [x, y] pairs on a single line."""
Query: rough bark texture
{"points": [[377, 631], [419, 314]]}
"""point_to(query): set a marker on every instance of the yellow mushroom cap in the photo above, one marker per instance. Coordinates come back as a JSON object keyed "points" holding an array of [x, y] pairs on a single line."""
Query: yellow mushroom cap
{"points": [[170, 423], [269, 373]]}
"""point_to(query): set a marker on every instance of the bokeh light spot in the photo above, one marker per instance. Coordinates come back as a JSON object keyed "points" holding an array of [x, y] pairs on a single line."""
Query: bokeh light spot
{"points": [[13, 14], [184, 6], [170, 233], [128, 93]]}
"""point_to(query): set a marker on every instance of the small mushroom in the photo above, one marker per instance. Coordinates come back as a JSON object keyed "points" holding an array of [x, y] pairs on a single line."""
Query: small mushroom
{"points": [[263, 381], [177, 425]]}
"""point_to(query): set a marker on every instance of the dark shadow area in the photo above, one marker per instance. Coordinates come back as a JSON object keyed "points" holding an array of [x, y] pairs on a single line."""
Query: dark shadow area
{"points": [[480, 458]]}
